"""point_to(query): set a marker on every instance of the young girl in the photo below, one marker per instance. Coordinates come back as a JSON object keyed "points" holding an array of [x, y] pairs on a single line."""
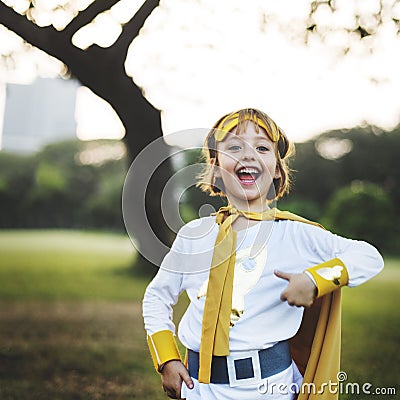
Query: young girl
{"points": [[264, 285]]}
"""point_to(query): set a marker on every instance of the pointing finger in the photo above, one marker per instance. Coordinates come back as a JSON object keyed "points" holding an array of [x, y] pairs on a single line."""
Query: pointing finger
{"points": [[283, 275]]}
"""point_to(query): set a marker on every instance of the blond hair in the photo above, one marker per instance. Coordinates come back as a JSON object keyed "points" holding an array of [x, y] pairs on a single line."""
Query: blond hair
{"points": [[208, 182]]}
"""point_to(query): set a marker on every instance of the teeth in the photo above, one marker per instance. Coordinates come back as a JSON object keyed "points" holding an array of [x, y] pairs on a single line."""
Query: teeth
{"points": [[248, 171]]}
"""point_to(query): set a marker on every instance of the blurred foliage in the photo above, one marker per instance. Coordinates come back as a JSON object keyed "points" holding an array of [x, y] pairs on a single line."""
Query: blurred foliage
{"points": [[348, 179], [68, 184], [50, 178], [367, 154], [364, 211]]}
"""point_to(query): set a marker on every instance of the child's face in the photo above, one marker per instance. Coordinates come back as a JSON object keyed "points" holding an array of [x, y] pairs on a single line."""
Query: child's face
{"points": [[247, 165]]}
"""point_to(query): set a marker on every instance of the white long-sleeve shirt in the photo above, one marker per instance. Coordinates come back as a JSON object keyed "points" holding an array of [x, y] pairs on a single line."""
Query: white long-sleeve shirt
{"points": [[283, 245]]}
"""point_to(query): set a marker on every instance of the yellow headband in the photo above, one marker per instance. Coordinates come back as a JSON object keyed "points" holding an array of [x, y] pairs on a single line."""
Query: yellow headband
{"points": [[224, 128]]}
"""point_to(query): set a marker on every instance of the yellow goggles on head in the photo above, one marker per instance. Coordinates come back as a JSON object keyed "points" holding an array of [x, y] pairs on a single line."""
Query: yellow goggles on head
{"points": [[225, 127]]}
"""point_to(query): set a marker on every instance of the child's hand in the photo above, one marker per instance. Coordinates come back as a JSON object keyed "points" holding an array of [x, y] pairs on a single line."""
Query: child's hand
{"points": [[171, 377], [301, 290]]}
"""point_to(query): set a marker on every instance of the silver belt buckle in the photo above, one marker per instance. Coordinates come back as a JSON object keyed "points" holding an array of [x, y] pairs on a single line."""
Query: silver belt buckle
{"points": [[240, 355]]}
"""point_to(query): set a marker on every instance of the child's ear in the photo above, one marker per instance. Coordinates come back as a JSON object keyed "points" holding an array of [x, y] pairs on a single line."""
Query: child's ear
{"points": [[278, 174], [216, 172]]}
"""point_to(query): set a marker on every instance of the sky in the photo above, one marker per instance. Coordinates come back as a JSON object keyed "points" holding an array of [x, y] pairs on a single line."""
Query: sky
{"points": [[200, 59]]}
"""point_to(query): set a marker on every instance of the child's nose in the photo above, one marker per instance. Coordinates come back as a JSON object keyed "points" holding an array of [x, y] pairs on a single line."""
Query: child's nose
{"points": [[248, 153]]}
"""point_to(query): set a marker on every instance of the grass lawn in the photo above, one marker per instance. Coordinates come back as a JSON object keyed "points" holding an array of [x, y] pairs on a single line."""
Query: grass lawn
{"points": [[70, 318], [371, 331], [67, 265], [71, 325]]}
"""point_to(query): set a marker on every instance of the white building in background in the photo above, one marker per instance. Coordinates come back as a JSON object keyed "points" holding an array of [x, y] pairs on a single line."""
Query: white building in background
{"points": [[38, 114]]}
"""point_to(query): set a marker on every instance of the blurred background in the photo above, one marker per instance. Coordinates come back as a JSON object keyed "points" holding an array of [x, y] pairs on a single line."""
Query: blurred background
{"points": [[86, 85]]}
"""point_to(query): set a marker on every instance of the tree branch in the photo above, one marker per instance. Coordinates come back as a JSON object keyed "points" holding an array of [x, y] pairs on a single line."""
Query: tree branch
{"points": [[80, 62], [43, 38], [132, 28], [89, 66], [86, 16]]}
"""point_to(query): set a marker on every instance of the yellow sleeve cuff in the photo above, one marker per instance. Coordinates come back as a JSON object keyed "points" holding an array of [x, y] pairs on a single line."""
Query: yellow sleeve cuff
{"points": [[163, 348], [329, 276]]}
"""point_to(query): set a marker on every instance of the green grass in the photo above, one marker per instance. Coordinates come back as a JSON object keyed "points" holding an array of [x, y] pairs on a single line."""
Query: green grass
{"points": [[70, 318], [64, 351], [73, 265], [371, 331], [71, 325]]}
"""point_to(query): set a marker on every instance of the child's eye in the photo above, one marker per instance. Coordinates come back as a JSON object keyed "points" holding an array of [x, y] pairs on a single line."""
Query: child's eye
{"points": [[262, 149], [234, 147]]}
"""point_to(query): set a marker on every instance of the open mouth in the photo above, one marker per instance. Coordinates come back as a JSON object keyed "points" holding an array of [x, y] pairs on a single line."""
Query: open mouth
{"points": [[248, 175]]}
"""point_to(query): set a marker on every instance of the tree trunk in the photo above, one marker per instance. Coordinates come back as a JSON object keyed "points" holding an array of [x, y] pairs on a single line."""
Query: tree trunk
{"points": [[102, 71]]}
